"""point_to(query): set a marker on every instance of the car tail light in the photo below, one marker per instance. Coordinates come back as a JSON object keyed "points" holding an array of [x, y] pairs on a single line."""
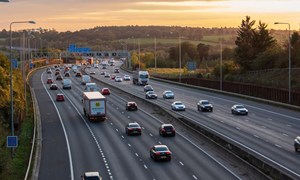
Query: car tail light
{"points": [[168, 153], [157, 153], [173, 130], [163, 129], [139, 129], [129, 129]]}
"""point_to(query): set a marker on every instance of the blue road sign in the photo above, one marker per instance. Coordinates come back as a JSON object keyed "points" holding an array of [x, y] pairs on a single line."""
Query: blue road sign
{"points": [[12, 141], [15, 63], [191, 66]]}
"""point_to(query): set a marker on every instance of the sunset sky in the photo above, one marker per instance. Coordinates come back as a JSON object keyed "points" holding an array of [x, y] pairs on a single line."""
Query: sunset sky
{"points": [[72, 15]]}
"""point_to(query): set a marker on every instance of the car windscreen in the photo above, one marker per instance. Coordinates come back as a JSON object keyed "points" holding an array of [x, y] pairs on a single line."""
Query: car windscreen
{"points": [[168, 127], [161, 149], [134, 125]]}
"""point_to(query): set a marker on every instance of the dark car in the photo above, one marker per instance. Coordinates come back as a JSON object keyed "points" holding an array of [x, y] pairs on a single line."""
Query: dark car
{"points": [[116, 70], [167, 130], [102, 73], [67, 74], [148, 88], [239, 109], [78, 74], [131, 106], [133, 128], [59, 78], [57, 73], [105, 91], [49, 81], [53, 87], [107, 75], [297, 143], [204, 105], [60, 97], [160, 152], [151, 95]]}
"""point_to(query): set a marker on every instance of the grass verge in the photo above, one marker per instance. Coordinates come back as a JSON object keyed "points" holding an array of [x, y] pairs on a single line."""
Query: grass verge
{"points": [[14, 167]]}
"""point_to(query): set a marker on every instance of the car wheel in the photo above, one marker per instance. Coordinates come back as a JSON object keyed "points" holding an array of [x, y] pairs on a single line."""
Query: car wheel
{"points": [[198, 108], [232, 112], [173, 135]]}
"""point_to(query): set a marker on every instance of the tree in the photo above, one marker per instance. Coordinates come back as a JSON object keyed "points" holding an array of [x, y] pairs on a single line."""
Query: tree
{"points": [[244, 42], [202, 51], [251, 43]]}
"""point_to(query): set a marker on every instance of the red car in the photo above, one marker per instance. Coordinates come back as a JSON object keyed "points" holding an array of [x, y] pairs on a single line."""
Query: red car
{"points": [[131, 106], [160, 152], [60, 97], [105, 91], [49, 81]]}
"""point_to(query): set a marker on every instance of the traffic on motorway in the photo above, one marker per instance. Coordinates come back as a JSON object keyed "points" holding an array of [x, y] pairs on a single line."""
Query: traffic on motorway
{"points": [[81, 94]]}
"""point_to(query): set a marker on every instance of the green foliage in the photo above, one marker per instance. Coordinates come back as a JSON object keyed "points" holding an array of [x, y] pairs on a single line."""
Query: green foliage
{"points": [[202, 50], [251, 42]]}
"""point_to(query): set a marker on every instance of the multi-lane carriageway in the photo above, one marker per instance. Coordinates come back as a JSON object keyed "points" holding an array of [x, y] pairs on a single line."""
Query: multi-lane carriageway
{"points": [[72, 145]]}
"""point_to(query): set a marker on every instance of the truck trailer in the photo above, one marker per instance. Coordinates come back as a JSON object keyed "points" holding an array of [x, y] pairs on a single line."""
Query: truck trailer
{"points": [[94, 106], [140, 77]]}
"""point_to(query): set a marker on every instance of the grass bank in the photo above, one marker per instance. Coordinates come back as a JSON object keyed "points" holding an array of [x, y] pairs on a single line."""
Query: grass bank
{"points": [[14, 167]]}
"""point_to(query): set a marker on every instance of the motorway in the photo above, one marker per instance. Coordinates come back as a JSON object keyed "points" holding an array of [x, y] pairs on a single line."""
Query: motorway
{"points": [[268, 131], [71, 145]]}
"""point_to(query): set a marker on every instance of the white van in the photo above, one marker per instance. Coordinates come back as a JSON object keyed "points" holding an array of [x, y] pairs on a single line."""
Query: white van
{"points": [[90, 87], [67, 83], [85, 79]]}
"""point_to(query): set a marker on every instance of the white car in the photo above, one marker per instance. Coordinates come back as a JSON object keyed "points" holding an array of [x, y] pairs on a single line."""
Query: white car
{"points": [[178, 106], [239, 109], [118, 79], [126, 78]]}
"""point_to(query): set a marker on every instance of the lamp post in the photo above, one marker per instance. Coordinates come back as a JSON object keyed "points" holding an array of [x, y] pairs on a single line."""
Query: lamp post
{"points": [[11, 81], [154, 51], [179, 46], [289, 58], [221, 64], [139, 54]]}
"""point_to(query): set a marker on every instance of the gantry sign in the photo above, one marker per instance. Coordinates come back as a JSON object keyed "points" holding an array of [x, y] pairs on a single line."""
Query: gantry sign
{"points": [[73, 50]]}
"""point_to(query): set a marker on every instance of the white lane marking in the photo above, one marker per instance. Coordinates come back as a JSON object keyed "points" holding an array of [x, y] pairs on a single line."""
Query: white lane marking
{"points": [[150, 134], [122, 136], [285, 134], [237, 128], [195, 177], [129, 145], [159, 142], [256, 136], [145, 166], [222, 121], [136, 154], [181, 163], [277, 145], [63, 127], [198, 146], [94, 137], [117, 130], [128, 117], [288, 125], [111, 123], [143, 128], [263, 127]]}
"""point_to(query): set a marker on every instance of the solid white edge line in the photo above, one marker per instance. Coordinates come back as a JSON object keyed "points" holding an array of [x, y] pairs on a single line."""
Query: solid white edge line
{"points": [[65, 133], [96, 141]]}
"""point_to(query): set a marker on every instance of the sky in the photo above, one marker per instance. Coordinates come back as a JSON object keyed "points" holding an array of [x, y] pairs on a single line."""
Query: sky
{"points": [[73, 15]]}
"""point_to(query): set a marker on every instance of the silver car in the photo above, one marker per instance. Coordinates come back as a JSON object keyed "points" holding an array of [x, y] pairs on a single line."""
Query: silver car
{"points": [[168, 94], [239, 109], [178, 106]]}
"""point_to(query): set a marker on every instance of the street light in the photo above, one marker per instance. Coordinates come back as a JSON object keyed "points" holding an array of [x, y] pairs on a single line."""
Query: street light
{"points": [[139, 54], [179, 44], [154, 51], [11, 82], [289, 58]]}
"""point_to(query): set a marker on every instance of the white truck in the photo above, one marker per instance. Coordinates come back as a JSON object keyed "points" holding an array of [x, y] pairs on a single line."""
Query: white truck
{"points": [[140, 77], [94, 106]]}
